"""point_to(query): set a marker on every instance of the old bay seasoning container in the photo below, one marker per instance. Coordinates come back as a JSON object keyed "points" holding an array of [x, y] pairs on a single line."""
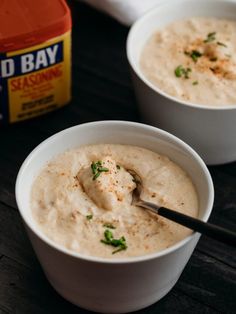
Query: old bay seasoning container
{"points": [[35, 57]]}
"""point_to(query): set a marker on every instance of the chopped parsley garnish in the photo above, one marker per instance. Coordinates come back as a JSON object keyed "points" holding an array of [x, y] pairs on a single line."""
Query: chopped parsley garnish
{"points": [[210, 37], [97, 174], [181, 71], [195, 83], [221, 44], [108, 237], [97, 168], [108, 225], [178, 71], [89, 217], [118, 167], [109, 240], [195, 54]]}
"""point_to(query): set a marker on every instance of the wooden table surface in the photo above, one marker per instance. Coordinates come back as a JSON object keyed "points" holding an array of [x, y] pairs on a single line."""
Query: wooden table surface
{"points": [[102, 90]]}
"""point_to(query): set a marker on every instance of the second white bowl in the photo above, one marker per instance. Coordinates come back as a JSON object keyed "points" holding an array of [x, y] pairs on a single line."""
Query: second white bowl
{"points": [[210, 131]]}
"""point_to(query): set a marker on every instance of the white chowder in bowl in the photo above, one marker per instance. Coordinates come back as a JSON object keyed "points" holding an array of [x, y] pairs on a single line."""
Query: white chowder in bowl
{"points": [[194, 60], [82, 200]]}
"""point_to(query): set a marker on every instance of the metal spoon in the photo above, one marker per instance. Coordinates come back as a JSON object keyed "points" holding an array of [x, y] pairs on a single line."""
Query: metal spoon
{"points": [[210, 230]]}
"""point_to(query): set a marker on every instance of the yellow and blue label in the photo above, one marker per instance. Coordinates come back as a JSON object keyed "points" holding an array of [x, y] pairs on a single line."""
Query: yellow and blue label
{"points": [[35, 80]]}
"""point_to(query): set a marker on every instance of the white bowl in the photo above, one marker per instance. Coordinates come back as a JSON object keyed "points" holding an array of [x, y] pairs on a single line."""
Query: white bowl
{"points": [[98, 284], [209, 130]]}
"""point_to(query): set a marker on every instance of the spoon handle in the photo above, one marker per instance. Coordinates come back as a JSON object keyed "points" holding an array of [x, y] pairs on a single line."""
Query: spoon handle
{"points": [[208, 229]]}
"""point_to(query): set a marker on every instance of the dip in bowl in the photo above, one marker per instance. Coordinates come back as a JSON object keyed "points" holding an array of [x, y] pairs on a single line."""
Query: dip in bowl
{"points": [[85, 278], [182, 57]]}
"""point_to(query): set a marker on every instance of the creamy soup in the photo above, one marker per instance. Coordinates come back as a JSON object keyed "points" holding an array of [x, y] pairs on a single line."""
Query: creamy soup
{"points": [[194, 60], [82, 200]]}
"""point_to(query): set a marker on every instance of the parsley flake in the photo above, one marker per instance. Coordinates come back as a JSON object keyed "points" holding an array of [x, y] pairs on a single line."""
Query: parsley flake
{"points": [[108, 225], [89, 217], [221, 44], [97, 169], [210, 37], [195, 54], [181, 71], [195, 83], [109, 240]]}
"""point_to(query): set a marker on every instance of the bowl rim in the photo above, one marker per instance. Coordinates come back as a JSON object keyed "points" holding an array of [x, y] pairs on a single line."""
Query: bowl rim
{"points": [[129, 47], [127, 260]]}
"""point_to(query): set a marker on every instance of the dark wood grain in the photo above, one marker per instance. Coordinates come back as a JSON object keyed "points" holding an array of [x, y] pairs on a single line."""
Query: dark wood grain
{"points": [[102, 90]]}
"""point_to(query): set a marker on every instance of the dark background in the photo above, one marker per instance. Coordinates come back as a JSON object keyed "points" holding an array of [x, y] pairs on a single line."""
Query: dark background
{"points": [[102, 90]]}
